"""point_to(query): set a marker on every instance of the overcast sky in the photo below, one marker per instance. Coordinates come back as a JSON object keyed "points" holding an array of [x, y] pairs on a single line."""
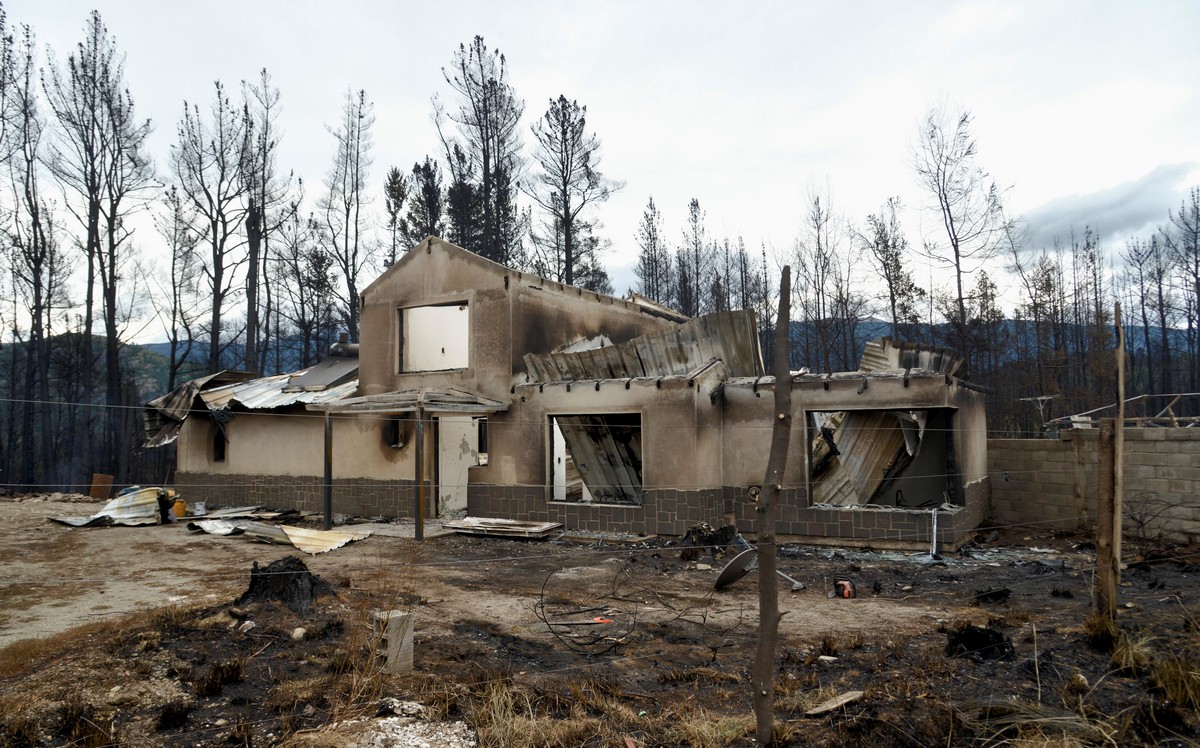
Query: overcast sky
{"points": [[1087, 112]]}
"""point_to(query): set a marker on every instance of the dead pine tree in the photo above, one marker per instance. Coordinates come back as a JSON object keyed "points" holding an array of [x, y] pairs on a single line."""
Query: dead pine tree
{"points": [[763, 675]]}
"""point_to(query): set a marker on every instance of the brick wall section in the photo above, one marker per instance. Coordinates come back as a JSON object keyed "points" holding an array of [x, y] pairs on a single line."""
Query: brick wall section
{"points": [[1052, 482]]}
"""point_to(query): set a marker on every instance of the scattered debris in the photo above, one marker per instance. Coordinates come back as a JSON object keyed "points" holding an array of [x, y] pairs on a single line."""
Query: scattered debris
{"points": [[101, 487], [702, 535], [215, 527], [978, 643], [133, 506], [506, 528], [744, 563], [287, 580], [992, 595], [844, 588], [311, 542]]}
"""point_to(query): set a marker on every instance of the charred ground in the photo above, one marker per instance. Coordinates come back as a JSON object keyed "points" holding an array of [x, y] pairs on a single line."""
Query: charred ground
{"points": [[587, 643]]}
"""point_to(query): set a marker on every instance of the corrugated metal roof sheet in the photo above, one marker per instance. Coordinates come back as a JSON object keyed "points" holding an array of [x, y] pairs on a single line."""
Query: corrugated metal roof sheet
{"points": [[432, 399], [273, 392], [164, 416], [607, 450], [729, 336], [885, 353], [132, 507], [329, 373], [871, 448]]}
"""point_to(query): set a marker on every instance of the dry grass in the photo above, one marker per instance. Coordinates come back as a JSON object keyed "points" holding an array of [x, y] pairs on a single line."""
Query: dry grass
{"points": [[706, 730], [1131, 653], [26, 655], [698, 674], [507, 719], [1177, 675], [85, 726], [217, 676], [799, 700], [1026, 724], [1100, 632]]}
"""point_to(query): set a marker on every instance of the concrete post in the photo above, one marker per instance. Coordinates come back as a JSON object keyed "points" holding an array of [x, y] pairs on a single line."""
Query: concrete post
{"points": [[393, 632]]}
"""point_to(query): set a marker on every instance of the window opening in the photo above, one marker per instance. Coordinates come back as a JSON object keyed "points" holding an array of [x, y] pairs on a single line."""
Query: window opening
{"points": [[596, 458], [900, 458], [434, 338], [481, 439], [393, 433]]}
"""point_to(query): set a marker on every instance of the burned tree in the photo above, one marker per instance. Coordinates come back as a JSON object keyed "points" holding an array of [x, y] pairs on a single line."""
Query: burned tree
{"points": [[99, 156], [486, 165], [345, 198], [208, 165], [570, 183]]}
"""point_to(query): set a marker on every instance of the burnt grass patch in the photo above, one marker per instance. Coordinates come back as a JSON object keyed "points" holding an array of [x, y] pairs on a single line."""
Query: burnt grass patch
{"points": [[678, 679]]}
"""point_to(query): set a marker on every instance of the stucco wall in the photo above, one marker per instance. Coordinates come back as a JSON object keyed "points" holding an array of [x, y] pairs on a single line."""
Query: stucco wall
{"points": [[293, 444], [1052, 482]]}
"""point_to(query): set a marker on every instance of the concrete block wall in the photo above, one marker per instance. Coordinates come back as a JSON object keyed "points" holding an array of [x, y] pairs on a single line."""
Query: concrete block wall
{"points": [[1052, 482], [364, 497], [672, 512]]}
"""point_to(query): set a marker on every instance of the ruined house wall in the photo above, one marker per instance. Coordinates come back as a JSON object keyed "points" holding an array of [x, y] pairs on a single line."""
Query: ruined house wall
{"points": [[432, 277], [363, 497], [294, 444], [278, 461], [1052, 482], [680, 450], [510, 314], [700, 454]]}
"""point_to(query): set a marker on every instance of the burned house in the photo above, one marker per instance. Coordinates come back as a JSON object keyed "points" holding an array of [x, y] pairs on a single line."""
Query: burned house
{"points": [[496, 393]]}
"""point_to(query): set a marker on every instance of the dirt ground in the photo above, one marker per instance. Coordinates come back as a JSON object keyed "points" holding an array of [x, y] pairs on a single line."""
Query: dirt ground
{"points": [[134, 636]]}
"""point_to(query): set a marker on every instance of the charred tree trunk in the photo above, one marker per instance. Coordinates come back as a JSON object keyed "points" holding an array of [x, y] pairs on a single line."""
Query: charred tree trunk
{"points": [[763, 676]]}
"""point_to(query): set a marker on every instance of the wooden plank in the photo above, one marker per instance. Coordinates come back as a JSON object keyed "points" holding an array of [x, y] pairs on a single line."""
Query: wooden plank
{"points": [[834, 704], [101, 486]]}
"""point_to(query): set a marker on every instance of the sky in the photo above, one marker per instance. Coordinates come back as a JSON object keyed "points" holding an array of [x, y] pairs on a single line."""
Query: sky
{"points": [[1085, 113]]}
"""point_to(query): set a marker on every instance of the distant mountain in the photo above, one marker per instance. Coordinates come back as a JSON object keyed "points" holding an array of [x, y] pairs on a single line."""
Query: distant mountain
{"points": [[1020, 334]]}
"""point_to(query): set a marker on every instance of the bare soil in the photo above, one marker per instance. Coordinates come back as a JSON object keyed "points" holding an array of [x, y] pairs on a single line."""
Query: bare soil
{"points": [[132, 636]]}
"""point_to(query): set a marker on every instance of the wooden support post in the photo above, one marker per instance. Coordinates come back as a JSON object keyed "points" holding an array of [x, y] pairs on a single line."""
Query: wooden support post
{"points": [[420, 456], [1119, 445], [1106, 579], [328, 497], [763, 674]]}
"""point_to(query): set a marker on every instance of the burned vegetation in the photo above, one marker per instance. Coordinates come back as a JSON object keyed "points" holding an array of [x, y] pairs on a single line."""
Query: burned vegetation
{"points": [[558, 643]]}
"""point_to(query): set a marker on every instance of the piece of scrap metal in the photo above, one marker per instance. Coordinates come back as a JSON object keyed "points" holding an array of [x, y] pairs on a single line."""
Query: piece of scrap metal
{"points": [[131, 508], [313, 542], [215, 527], [501, 527], [309, 541]]}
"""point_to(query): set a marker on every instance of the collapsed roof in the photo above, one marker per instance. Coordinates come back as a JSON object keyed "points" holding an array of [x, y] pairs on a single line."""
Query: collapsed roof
{"points": [[329, 381]]}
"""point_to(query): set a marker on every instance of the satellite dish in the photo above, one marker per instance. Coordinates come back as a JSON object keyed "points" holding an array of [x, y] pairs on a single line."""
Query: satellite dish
{"points": [[744, 563], [738, 567]]}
